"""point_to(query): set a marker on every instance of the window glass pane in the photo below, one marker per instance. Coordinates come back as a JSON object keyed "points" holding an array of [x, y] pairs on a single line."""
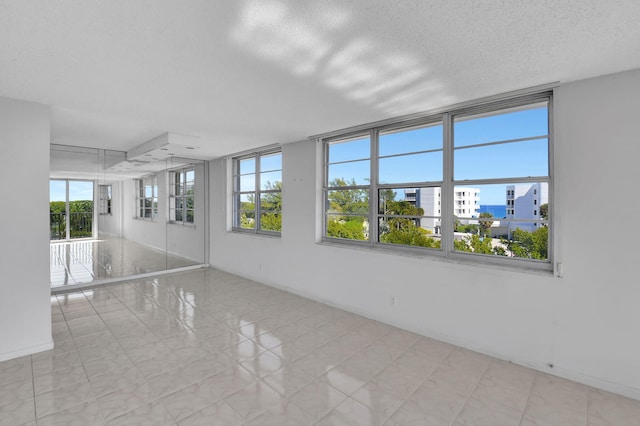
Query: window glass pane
{"points": [[349, 150], [58, 190], [410, 216], [356, 173], [248, 165], [245, 219], [190, 175], [271, 162], [509, 220], [426, 167], [518, 159], [248, 182], [271, 180], [188, 202], [414, 140], [347, 227], [271, 221], [189, 216], [178, 215], [348, 201], [179, 203], [190, 188], [271, 201], [501, 125], [247, 201]]}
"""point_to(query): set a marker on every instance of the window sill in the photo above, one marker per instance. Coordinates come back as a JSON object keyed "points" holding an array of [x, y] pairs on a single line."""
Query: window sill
{"points": [[186, 224], [144, 219], [267, 234], [464, 260]]}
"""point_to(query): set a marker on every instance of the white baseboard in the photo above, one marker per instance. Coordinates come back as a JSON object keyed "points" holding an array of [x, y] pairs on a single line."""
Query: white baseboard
{"points": [[613, 387], [5, 356]]}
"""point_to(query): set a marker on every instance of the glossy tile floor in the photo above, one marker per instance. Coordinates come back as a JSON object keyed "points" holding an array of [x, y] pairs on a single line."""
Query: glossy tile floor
{"points": [[85, 261], [209, 348]]}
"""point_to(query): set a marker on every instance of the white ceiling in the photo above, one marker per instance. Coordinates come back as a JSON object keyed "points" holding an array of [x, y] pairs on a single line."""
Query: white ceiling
{"points": [[241, 74]]}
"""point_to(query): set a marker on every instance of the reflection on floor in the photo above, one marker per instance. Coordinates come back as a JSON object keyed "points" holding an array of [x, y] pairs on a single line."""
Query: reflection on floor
{"points": [[209, 348], [86, 261]]}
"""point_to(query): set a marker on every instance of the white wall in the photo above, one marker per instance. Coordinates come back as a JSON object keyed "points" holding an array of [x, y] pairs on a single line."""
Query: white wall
{"points": [[25, 307], [183, 240], [587, 324]]}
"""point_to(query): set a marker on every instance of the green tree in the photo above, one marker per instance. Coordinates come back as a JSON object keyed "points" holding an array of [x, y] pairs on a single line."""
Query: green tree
{"points": [[271, 207], [348, 200], [410, 236], [351, 201], [529, 245], [476, 244], [271, 222], [403, 230], [272, 200], [349, 229], [486, 224], [544, 211]]}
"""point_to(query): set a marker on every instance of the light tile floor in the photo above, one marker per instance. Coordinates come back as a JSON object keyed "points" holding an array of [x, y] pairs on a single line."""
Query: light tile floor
{"points": [[86, 261], [209, 348]]}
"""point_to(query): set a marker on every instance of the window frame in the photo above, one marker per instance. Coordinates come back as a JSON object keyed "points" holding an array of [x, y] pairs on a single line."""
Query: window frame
{"points": [[176, 195], [141, 199], [105, 199], [448, 184], [257, 192]]}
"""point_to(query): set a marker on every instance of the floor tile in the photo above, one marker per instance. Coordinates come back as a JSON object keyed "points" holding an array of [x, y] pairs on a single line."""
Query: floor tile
{"points": [[61, 398], [253, 399], [84, 414], [317, 398], [151, 414], [205, 348], [218, 414]]}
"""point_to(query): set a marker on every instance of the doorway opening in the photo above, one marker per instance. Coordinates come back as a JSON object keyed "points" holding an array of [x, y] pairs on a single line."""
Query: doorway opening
{"points": [[71, 209]]}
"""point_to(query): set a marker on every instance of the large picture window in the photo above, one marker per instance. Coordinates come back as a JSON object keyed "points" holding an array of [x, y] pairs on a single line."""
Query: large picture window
{"points": [[470, 183], [147, 197], [257, 192], [182, 187]]}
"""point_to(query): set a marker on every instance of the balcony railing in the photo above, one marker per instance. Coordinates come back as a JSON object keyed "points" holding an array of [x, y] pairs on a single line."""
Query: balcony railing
{"points": [[81, 225]]}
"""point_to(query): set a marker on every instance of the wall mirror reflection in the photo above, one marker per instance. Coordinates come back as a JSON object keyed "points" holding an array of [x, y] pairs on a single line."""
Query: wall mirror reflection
{"points": [[115, 215]]}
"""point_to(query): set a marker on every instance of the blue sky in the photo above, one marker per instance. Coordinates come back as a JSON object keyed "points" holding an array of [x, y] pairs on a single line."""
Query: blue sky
{"points": [[78, 190], [515, 160]]}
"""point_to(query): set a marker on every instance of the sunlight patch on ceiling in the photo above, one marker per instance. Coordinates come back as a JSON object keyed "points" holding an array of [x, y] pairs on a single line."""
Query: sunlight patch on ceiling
{"points": [[271, 31], [317, 43]]}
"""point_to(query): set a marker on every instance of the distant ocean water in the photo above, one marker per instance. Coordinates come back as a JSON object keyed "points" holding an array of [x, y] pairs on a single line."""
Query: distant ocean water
{"points": [[497, 211]]}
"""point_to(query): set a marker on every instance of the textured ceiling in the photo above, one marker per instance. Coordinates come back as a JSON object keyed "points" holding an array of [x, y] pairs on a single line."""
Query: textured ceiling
{"points": [[246, 73]]}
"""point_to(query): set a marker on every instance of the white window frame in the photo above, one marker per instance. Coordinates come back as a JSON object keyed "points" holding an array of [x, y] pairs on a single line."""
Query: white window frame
{"points": [[448, 183], [179, 207], [143, 201], [257, 193], [105, 200]]}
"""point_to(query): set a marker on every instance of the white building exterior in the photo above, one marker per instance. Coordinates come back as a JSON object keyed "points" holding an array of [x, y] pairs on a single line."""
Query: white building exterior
{"points": [[466, 204], [523, 201]]}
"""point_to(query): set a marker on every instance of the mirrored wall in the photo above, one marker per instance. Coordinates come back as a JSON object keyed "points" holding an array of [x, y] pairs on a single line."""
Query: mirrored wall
{"points": [[113, 216]]}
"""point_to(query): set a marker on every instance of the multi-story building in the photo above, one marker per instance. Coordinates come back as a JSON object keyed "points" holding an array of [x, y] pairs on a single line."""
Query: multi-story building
{"points": [[523, 202], [466, 204]]}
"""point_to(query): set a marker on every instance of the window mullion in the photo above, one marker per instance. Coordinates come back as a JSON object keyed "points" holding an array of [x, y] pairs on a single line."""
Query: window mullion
{"points": [[373, 187], [257, 194], [447, 186]]}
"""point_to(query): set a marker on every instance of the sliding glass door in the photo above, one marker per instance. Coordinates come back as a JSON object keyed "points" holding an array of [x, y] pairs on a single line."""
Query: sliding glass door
{"points": [[71, 209]]}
